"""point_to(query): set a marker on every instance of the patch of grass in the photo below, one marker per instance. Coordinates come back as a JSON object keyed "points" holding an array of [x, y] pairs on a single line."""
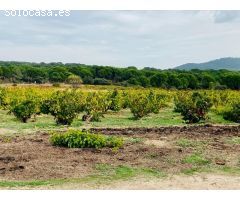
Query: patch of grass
{"points": [[166, 117], [230, 170], [191, 171], [126, 172], [215, 118], [134, 140], [124, 118], [34, 183], [196, 159], [234, 140], [197, 169], [123, 172], [186, 143], [153, 172]]}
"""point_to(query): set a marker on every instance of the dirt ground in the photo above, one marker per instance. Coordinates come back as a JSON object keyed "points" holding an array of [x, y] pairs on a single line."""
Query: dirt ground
{"points": [[175, 182], [32, 157]]}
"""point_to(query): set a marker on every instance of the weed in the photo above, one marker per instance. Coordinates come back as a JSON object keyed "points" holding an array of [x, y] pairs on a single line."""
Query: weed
{"points": [[196, 159]]}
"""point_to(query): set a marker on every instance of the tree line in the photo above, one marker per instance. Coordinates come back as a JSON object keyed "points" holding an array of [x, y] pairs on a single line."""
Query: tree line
{"points": [[24, 72]]}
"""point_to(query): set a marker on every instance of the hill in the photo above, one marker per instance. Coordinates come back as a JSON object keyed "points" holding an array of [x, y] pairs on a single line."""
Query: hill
{"points": [[222, 63]]}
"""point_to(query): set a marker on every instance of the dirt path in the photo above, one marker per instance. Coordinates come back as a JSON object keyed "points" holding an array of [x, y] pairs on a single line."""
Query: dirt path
{"points": [[195, 182]]}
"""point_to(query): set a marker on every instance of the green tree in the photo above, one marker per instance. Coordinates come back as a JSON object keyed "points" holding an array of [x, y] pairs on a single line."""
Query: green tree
{"points": [[158, 80]]}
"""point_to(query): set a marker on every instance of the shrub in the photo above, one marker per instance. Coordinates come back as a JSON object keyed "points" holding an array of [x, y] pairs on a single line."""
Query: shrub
{"points": [[24, 110], [139, 106], [144, 104], [97, 104], [101, 81], [88, 80], [220, 87], [155, 102], [193, 108], [82, 139], [2, 97], [125, 100], [233, 114], [64, 106], [115, 101]]}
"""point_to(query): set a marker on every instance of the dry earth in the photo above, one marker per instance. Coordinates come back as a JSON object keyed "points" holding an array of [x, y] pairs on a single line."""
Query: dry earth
{"points": [[33, 158]]}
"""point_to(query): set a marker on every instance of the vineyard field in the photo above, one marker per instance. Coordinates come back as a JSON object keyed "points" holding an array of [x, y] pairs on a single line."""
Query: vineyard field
{"points": [[155, 134]]}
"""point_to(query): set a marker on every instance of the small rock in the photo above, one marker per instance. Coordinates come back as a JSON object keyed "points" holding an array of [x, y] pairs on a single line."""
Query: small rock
{"points": [[220, 162]]}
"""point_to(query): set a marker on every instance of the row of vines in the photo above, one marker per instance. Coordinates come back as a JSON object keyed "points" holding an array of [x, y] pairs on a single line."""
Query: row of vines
{"points": [[65, 105]]}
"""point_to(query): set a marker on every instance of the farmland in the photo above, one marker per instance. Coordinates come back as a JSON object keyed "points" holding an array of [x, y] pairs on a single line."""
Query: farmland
{"points": [[179, 133]]}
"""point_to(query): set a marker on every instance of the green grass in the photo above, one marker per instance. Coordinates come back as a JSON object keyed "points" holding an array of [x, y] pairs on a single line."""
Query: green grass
{"points": [[200, 164], [124, 118], [230, 170], [212, 169], [218, 119], [166, 117], [196, 159], [126, 172], [36, 183]]}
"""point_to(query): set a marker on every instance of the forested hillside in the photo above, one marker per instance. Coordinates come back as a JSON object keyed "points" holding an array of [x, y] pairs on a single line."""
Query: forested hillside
{"points": [[222, 63], [23, 72]]}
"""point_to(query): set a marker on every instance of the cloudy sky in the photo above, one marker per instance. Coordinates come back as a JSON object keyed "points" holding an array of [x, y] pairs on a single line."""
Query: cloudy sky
{"points": [[160, 39]]}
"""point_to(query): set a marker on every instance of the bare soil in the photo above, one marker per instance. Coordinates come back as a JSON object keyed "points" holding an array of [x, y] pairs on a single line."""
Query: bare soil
{"points": [[33, 157], [175, 182]]}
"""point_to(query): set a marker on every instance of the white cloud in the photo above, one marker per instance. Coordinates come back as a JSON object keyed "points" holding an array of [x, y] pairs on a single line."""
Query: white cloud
{"points": [[122, 38]]}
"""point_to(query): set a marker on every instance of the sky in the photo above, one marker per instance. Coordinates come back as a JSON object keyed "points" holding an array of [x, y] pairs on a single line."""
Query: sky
{"points": [[160, 39]]}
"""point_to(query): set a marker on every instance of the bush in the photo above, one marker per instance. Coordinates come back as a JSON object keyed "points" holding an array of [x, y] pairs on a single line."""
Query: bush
{"points": [[220, 87], [101, 81], [97, 104], [144, 104], [2, 97], [233, 114], [193, 108], [116, 101], [155, 102], [81, 139], [64, 106], [24, 110], [88, 80], [139, 106]]}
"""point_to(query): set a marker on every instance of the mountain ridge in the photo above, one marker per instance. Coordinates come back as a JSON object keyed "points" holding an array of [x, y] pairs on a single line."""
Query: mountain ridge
{"points": [[229, 63]]}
